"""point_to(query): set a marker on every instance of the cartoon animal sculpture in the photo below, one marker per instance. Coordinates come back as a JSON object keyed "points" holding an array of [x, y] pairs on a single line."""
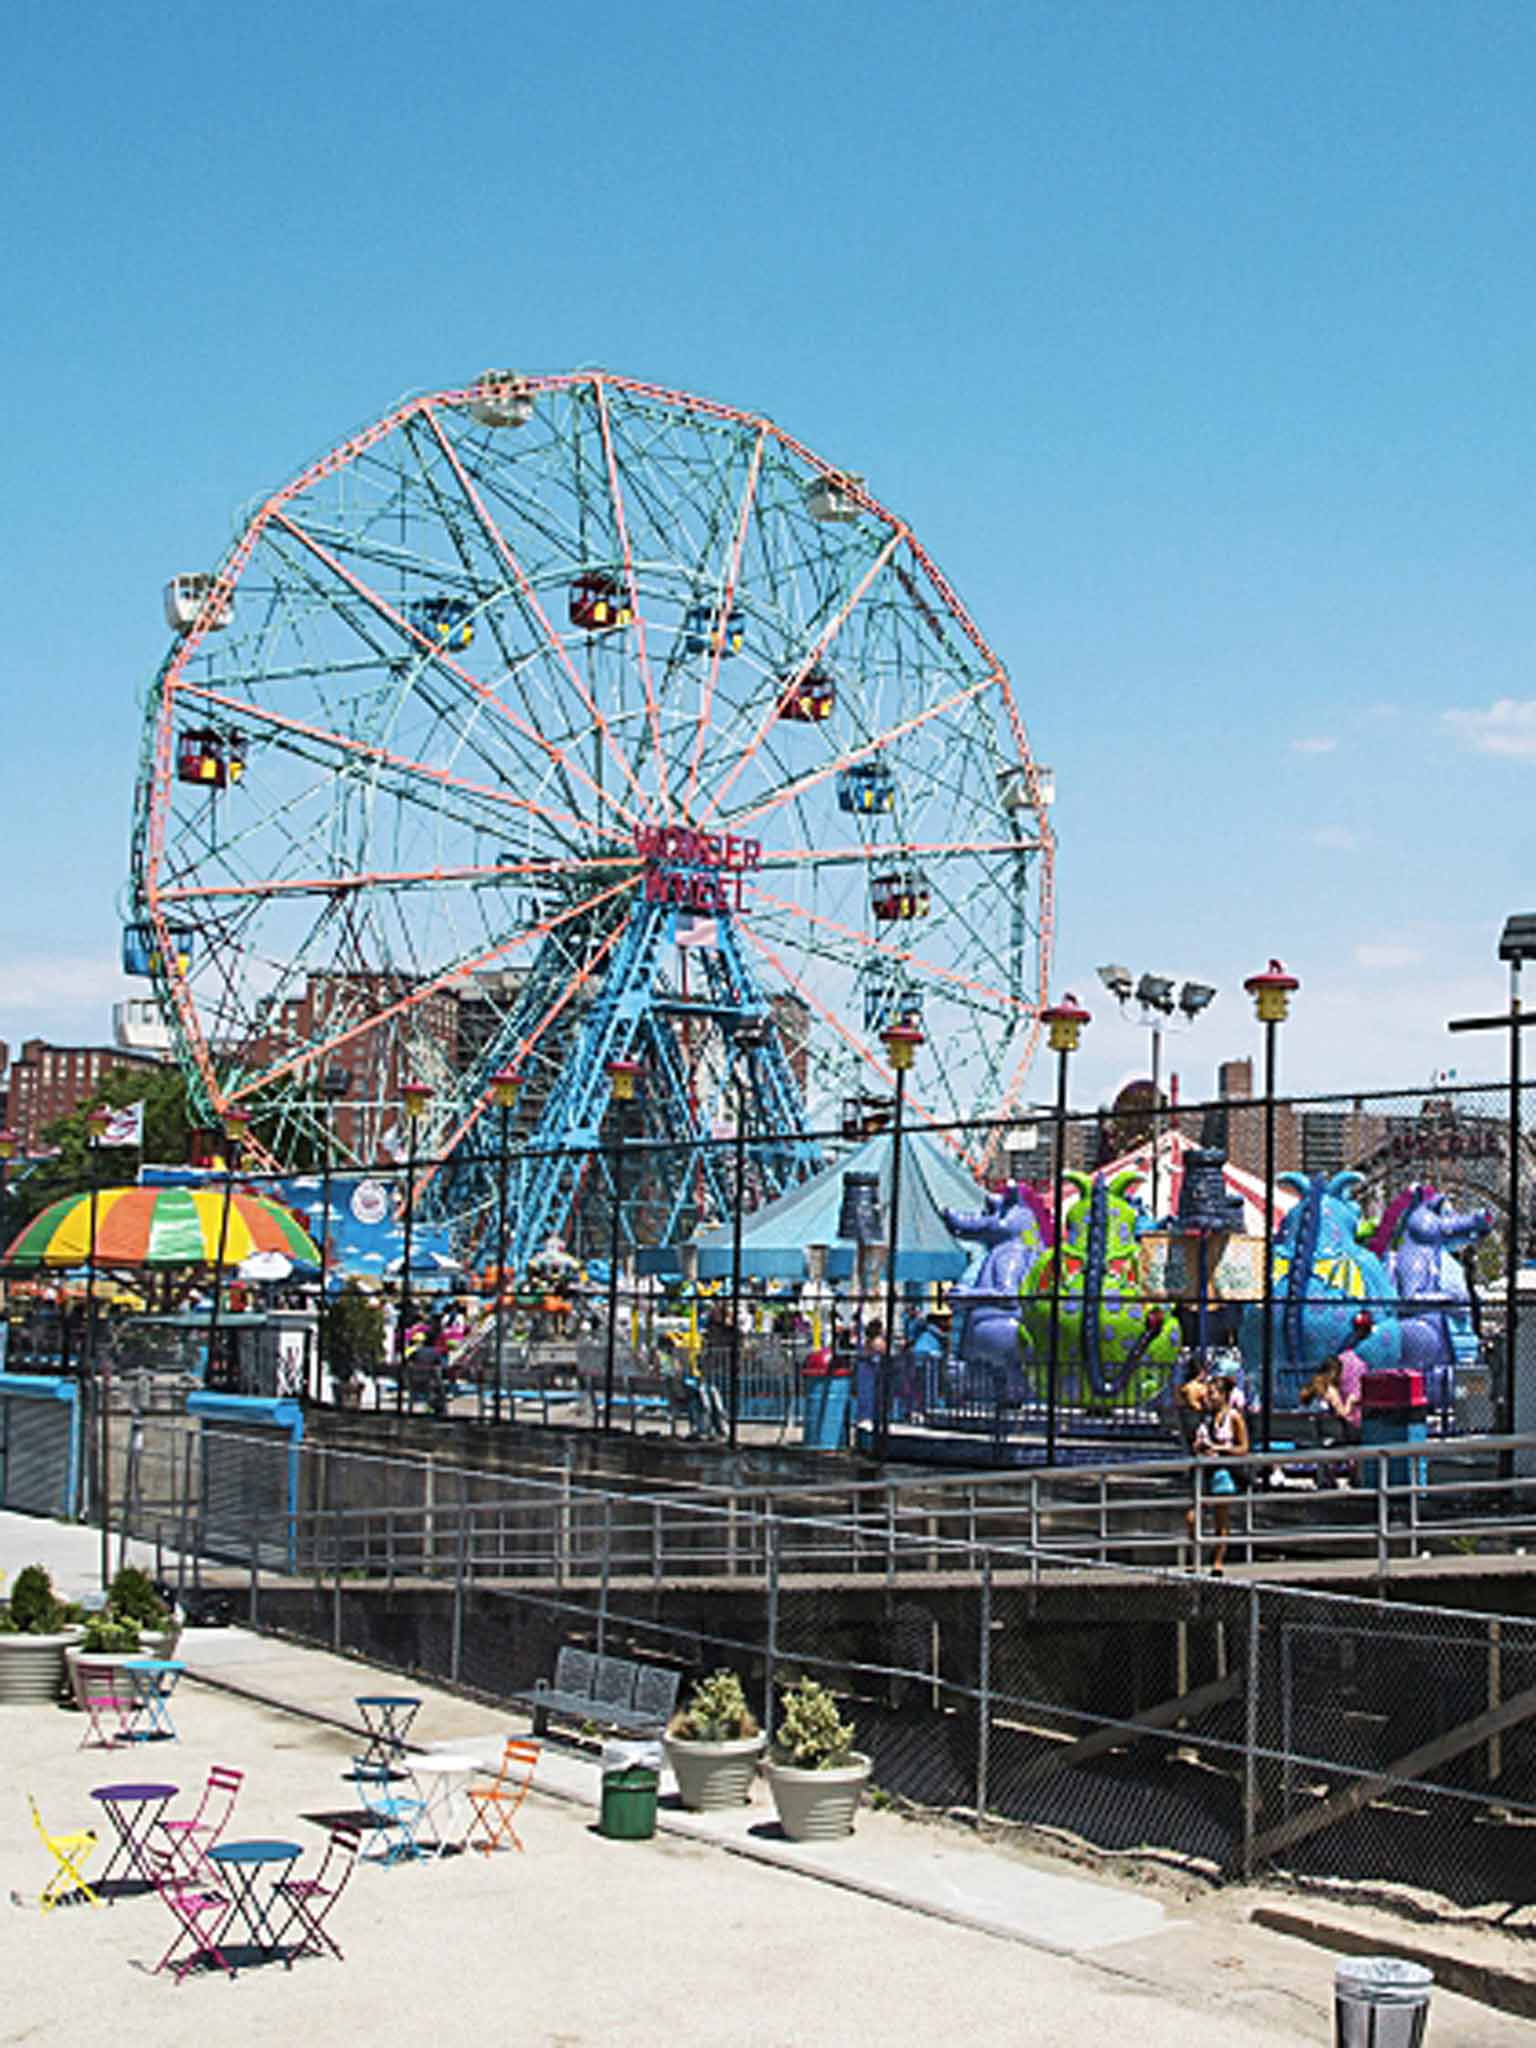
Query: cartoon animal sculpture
{"points": [[1323, 1277], [1015, 1227], [1113, 1346], [1419, 1237]]}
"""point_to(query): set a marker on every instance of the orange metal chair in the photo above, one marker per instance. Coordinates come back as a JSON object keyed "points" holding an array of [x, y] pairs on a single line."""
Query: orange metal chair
{"points": [[495, 1803]]}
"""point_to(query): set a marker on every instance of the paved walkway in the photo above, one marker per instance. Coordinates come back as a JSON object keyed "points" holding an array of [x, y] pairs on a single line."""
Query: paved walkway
{"points": [[718, 1932]]}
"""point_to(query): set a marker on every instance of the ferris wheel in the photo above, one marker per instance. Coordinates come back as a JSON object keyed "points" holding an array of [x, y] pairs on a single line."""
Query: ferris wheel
{"points": [[563, 721]]}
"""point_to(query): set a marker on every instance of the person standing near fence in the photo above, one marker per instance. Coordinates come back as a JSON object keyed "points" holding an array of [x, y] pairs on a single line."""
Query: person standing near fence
{"points": [[1222, 1435]]}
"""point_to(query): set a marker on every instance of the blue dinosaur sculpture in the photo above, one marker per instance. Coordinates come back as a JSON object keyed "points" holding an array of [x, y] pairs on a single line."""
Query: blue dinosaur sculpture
{"points": [[1015, 1227], [1324, 1280]]}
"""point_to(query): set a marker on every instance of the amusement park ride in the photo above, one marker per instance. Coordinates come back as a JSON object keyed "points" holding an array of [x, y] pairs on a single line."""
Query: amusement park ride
{"points": [[563, 721]]}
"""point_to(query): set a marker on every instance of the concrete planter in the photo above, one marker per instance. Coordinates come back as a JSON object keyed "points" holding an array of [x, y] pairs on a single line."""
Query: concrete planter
{"points": [[32, 1667], [817, 1806], [158, 1643], [714, 1774]]}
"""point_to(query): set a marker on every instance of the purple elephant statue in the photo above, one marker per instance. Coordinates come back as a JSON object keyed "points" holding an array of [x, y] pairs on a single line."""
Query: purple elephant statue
{"points": [[1015, 1226], [1419, 1236]]}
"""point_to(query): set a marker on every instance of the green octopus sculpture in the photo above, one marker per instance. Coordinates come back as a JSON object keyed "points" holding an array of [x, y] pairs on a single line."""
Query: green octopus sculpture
{"points": [[1114, 1348]]}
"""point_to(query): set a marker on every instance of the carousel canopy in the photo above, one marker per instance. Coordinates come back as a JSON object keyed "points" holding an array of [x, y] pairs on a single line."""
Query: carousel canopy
{"points": [[161, 1227], [774, 1238]]}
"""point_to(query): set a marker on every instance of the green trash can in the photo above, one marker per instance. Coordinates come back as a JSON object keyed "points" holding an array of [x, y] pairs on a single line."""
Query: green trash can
{"points": [[629, 1804]]}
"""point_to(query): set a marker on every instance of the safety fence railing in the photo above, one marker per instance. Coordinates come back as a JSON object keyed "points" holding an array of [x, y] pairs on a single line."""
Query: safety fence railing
{"points": [[1227, 1726]]}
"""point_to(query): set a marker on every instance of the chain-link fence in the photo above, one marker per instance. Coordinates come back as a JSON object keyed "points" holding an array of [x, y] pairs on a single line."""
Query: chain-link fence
{"points": [[1228, 1728]]}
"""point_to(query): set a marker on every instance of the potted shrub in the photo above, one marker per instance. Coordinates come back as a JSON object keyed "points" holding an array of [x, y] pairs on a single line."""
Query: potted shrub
{"points": [[813, 1770], [354, 1342], [713, 1745], [35, 1632], [132, 1597]]}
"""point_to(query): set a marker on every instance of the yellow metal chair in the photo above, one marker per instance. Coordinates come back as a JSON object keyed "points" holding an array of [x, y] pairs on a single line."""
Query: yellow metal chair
{"points": [[69, 1852]]}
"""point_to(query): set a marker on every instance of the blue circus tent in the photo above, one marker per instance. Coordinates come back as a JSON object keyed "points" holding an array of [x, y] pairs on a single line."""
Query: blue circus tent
{"points": [[774, 1238]]}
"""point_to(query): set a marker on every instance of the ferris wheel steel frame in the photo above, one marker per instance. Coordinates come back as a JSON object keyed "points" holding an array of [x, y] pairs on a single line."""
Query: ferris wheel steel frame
{"points": [[603, 937]]}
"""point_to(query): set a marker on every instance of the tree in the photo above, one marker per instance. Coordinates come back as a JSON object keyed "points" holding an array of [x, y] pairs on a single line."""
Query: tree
{"points": [[167, 1139]]}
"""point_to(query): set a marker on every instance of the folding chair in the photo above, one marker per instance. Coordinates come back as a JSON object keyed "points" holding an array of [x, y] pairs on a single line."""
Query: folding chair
{"points": [[111, 1704], [312, 1899], [394, 1816], [193, 1837], [191, 1902], [495, 1804], [69, 1852]]}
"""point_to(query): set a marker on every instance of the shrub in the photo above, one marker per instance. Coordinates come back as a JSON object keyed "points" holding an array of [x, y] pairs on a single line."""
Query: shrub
{"points": [[111, 1635], [132, 1597], [35, 1609], [716, 1711], [354, 1334], [811, 1735]]}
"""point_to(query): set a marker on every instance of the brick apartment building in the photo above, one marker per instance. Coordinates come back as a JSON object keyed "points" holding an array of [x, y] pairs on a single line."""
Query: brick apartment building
{"points": [[49, 1081]]}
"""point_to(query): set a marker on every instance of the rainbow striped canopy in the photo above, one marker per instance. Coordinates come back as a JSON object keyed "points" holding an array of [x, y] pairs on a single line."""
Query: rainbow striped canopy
{"points": [[161, 1227]]}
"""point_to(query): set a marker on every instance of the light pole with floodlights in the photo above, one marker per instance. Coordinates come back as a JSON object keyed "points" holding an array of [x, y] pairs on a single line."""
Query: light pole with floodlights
{"points": [[1154, 996], [1271, 991], [1064, 1021]]}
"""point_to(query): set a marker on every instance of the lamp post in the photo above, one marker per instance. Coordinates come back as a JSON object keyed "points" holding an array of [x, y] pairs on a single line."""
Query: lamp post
{"points": [[335, 1084], [1271, 991], [505, 1085], [750, 1036], [415, 1095], [236, 1124], [1154, 996], [8, 1144], [96, 1121], [901, 1041], [1064, 1021], [623, 1077]]}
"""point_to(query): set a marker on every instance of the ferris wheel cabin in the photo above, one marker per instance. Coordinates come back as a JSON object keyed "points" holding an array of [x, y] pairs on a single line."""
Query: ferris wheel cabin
{"points": [[447, 620], [889, 1000], [699, 630], [830, 498], [1013, 787], [809, 699], [185, 597], [899, 895], [141, 949], [866, 788], [208, 758], [599, 602], [504, 399]]}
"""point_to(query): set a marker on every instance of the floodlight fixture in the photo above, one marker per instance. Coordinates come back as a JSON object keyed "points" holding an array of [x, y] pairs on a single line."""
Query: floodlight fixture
{"points": [[1155, 992], [1194, 996], [1120, 982], [1518, 941]]}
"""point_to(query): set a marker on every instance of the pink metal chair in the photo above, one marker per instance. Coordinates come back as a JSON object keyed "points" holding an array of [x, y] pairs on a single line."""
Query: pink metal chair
{"points": [[311, 1899], [192, 1838], [111, 1704], [200, 1911]]}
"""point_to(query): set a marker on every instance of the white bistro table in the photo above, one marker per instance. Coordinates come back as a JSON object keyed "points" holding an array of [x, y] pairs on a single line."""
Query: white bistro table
{"points": [[440, 1778]]}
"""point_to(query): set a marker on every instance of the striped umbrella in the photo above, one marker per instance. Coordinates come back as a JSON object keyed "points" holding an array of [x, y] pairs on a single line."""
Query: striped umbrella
{"points": [[161, 1227]]}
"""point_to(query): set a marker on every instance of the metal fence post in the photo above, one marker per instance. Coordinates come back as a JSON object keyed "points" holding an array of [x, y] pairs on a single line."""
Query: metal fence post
{"points": [[605, 1568], [771, 1646], [984, 1692], [1383, 1512], [336, 1579], [656, 1543], [1251, 1735], [254, 1603], [456, 1647]]}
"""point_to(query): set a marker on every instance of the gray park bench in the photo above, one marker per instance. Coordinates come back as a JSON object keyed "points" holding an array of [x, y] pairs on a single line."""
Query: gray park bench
{"points": [[609, 1692]]}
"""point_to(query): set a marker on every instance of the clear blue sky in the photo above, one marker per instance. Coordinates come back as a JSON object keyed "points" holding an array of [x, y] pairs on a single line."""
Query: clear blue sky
{"points": [[1195, 340]]}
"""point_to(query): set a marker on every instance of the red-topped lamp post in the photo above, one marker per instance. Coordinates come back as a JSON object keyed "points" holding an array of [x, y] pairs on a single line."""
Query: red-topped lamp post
{"points": [[1271, 991], [749, 1037], [624, 1079], [1064, 1022], [415, 1096], [236, 1128], [506, 1084], [335, 1086], [902, 1040], [97, 1119], [9, 1142]]}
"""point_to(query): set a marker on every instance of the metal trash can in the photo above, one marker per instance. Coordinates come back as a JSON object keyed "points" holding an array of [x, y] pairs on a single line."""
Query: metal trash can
{"points": [[1380, 2002], [631, 1784]]}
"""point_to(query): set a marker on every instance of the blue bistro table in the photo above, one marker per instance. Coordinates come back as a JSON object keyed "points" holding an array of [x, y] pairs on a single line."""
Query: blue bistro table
{"points": [[387, 1718], [154, 1679], [240, 1866], [134, 1811]]}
